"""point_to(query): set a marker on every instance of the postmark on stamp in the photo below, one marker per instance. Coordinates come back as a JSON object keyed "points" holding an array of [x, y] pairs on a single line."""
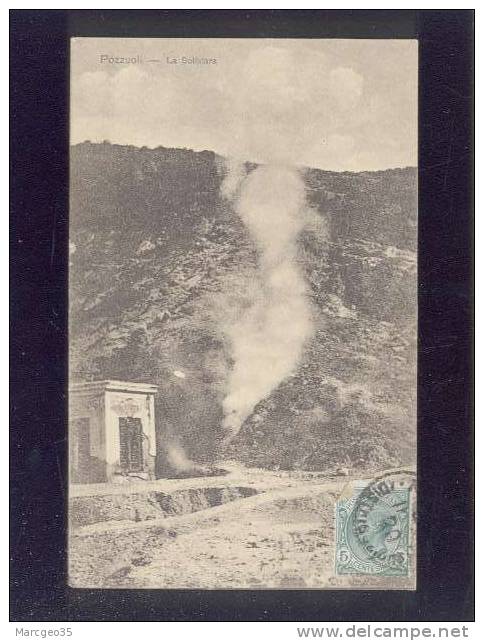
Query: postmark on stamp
{"points": [[374, 526]]}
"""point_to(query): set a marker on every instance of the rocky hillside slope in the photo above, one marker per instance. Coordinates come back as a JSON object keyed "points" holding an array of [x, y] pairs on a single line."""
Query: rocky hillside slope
{"points": [[157, 256]]}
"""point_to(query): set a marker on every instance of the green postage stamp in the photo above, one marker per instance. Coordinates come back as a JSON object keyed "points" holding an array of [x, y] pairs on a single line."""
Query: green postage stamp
{"points": [[373, 526]]}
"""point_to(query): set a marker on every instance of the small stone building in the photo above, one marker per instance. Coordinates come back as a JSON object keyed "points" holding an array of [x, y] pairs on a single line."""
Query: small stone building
{"points": [[111, 431]]}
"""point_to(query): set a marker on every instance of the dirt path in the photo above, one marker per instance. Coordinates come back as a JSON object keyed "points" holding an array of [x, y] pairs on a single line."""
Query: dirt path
{"points": [[282, 537], [279, 538], [269, 547]]}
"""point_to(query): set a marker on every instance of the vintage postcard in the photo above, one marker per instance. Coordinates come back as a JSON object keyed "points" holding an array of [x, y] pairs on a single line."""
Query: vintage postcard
{"points": [[243, 309]]}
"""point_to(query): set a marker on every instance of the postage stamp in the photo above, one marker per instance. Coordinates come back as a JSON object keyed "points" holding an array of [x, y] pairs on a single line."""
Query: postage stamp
{"points": [[373, 523]]}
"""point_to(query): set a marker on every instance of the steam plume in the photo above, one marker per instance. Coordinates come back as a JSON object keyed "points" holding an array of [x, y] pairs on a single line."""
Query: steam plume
{"points": [[268, 336]]}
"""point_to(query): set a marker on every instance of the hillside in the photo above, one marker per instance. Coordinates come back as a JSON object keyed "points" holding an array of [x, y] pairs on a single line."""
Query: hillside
{"points": [[157, 256]]}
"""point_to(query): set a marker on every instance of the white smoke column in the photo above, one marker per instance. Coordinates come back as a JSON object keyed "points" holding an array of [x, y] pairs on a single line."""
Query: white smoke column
{"points": [[269, 335]]}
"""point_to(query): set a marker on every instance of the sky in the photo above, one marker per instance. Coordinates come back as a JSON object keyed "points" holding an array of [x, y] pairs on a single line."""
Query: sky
{"points": [[341, 105]]}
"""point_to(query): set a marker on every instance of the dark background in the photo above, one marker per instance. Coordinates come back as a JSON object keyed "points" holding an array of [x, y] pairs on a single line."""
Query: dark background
{"points": [[38, 240]]}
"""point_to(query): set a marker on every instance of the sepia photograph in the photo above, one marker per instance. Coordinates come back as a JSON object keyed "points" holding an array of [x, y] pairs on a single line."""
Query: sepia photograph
{"points": [[243, 308]]}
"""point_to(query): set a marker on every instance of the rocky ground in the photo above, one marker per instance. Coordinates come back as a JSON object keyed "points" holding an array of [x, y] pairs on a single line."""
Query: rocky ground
{"points": [[280, 535], [158, 257]]}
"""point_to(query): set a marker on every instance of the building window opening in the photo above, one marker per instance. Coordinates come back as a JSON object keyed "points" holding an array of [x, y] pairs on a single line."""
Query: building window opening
{"points": [[80, 449]]}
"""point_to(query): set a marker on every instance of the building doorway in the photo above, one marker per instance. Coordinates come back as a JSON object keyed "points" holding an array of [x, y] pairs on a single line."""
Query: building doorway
{"points": [[130, 444]]}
